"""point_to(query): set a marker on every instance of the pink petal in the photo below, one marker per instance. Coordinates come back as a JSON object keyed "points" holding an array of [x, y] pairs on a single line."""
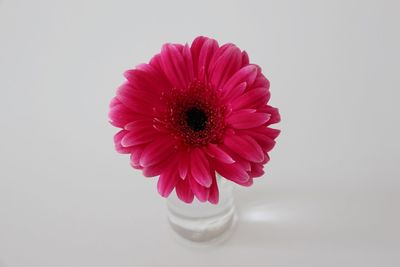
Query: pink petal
{"points": [[147, 78], [261, 81], [183, 164], [256, 170], [134, 102], [199, 191], [120, 115], [227, 96], [247, 118], [219, 154], [247, 183], [156, 63], [233, 172], [138, 107], [245, 146], [187, 56], [156, 151], [246, 74], [117, 142], [183, 191], [263, 133], [244, 163], [174, 66], [135, 157], [130, 89], [245, 59], [266, 159], [265, 142], [251, 99], [213, 196], [195, 49], [167, 181], [219, 52], [144, 125], [157, 169], [206, 53], [274, 112], [200, 168], [179, 47], [114, 102], [226, 65], [270, 132], [140, 132], [137, 138]]}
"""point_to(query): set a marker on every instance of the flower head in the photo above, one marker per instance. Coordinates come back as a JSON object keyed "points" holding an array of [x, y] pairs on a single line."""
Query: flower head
{"points": [[194, 111]]}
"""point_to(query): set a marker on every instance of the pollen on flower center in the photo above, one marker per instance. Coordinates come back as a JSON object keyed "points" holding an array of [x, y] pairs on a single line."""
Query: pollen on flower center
{"points": [[196, 119], [194, 115]]}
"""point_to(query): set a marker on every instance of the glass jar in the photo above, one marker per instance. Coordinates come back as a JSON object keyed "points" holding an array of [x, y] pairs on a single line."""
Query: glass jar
{"points": [[204, 222]]}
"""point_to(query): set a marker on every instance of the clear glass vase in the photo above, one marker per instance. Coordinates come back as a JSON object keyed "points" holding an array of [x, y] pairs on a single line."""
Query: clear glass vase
{"points": [[204, 222]]}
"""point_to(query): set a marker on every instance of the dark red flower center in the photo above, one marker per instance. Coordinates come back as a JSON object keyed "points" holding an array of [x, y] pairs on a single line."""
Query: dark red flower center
{"points": [[194, 115], [196, 119]]}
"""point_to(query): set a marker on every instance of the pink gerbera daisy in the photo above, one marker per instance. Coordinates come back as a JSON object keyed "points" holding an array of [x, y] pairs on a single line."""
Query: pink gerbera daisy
{"points": [[194, 111]]}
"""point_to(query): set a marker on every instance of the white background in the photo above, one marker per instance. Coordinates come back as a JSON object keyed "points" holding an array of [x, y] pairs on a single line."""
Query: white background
{"points": [[330, 196]]}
